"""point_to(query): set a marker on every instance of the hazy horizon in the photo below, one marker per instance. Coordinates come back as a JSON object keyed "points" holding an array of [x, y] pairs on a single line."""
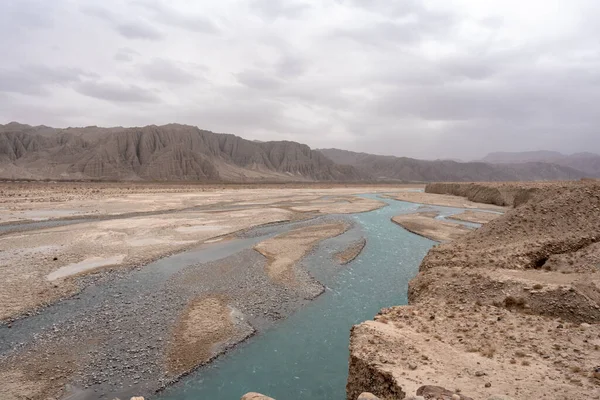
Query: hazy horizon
{"points": [[424, 79]]}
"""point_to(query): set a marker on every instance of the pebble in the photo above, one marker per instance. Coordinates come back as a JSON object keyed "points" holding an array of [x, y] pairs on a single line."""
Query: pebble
{"points": [[367, 396]]}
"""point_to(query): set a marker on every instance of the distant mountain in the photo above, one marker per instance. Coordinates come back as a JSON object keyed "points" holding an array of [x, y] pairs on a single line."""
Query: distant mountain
{"points": [[410, 169], [585, 162], [185, 153], [169, 152]]}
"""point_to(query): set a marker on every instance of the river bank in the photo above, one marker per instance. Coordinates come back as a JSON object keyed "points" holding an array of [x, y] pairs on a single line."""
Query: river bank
{"points": [[511, 309]]}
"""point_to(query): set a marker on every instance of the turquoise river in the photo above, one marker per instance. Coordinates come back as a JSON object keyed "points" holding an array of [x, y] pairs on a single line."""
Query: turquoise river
{"points": [[306, 355]]}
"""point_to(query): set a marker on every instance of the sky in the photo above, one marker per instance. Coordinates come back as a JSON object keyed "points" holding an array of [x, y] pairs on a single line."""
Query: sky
{"points": [[427, 79]]}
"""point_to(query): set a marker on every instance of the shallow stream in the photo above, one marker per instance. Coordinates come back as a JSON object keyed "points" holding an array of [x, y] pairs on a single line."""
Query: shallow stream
{"points": [[306, 355]]}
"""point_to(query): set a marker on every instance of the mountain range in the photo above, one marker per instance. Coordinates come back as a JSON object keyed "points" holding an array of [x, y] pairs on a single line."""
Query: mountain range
{"points": [[185, 153], [169, 152], [588, 163], [410, 169]]}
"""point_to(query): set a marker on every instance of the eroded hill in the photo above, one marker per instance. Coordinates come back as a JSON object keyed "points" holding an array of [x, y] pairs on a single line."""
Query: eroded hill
{"points": [[169, 152]]}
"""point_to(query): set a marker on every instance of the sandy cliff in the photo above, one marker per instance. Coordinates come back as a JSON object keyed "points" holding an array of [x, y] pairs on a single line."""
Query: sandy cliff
{"points": [[510, 309]]}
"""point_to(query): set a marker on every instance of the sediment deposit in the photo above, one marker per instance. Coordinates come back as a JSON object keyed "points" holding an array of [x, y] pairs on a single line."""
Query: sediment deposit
{"points": [[284, 251], [346, 256], [425, 224], [512, 308]]}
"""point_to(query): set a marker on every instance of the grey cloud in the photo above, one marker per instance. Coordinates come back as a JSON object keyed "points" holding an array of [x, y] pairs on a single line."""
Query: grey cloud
{"points": [[131, 29], [125, 54], [428, 20], [416, 78], [30, 14], [291, 66], [386, 7], [98, 12], [166, 15], [256, 79], [117, 92], [34, 79], [382, 33], [397, 26], [139, 30], [167, 71], [273, 9], [526, 96], [471, 68]]}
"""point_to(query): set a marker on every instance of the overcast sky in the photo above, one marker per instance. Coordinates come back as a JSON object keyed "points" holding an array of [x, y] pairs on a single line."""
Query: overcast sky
{"points": [[427, 79]]}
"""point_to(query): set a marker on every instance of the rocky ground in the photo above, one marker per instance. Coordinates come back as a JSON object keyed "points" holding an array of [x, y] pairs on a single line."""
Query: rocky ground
{"points": [[511, 309], [425, 224]]}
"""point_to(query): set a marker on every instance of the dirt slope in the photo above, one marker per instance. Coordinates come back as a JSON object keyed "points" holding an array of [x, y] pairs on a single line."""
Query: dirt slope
{"points": [[512, 308]]}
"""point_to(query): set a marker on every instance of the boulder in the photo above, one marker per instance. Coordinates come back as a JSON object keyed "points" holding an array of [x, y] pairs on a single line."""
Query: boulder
{"points": [[439, 393]]}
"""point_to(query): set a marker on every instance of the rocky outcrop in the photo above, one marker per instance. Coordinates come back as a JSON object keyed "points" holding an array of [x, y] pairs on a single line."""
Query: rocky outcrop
{"points": [[500, 194], [500, 310]]}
